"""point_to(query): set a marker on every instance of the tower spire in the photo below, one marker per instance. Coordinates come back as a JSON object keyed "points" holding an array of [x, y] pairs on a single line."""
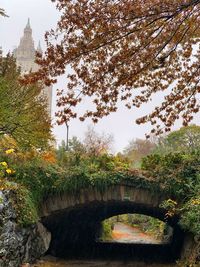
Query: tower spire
{"points": [[28, 25], [27, 29], [25, 52], [25, 57], [39, 48]]}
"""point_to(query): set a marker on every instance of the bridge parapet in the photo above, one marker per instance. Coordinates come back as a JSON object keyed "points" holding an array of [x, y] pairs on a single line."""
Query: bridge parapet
{"points": [[118, 193]]}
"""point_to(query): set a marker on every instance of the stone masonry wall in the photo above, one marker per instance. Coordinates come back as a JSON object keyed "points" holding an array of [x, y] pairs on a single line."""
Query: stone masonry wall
{"points": [[19, 245]]}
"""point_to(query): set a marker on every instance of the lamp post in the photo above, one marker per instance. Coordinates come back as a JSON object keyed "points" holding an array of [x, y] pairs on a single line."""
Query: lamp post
{"points": [[67, 139]]}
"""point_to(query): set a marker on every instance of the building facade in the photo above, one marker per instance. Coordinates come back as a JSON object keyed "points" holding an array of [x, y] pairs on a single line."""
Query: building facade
{"points": [[25, 58]]}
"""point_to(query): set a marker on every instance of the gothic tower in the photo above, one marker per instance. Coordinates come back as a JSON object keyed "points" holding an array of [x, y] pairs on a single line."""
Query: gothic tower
{"points": [[25, 58]]}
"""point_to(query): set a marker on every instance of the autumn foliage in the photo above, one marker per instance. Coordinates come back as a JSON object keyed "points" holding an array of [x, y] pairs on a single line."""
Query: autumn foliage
{"points": [[49, 156], [126, 51]]}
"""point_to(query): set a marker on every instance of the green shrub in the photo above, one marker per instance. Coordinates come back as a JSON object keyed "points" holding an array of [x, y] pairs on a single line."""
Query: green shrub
{"points": [[22, 202], [177, 173], [190, 219], [106, 234], [24, 205]]}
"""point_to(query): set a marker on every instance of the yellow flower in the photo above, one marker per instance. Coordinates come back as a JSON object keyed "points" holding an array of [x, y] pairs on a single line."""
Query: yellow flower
{"points": [[4, 164], [171, 201], [10, 151], [195, 202], [9, 171]]}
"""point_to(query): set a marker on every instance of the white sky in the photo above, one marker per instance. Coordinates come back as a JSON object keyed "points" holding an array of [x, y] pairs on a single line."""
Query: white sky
{"points": [[43, 16]]}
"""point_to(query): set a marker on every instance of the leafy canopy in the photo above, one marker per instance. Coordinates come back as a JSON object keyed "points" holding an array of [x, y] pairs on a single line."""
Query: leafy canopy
{"points": [[186, 139], [126, 51], [23, 114]]}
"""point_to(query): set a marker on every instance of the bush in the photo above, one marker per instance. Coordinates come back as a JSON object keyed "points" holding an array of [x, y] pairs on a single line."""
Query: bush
{"points": [[22, 202], [24, 205], [106, 234], [176, 173], [179, 174], [190, 219]]}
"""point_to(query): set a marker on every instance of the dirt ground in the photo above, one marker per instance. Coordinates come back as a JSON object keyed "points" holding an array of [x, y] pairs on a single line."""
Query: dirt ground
{"points": [[53, 262]]}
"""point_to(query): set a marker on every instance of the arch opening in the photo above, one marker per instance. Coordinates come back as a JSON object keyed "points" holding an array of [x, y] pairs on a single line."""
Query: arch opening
{"points": [[135, 229]]}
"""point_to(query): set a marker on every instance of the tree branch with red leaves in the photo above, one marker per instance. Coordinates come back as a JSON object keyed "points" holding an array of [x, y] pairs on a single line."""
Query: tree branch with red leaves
{"points": [[116, 48]]}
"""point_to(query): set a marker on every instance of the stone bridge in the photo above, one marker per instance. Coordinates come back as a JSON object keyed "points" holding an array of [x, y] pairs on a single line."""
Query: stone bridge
{"points": [[74, 220]]}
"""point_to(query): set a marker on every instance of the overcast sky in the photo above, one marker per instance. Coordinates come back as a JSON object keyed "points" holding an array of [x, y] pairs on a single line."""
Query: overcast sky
{"points": [[43, 16]]}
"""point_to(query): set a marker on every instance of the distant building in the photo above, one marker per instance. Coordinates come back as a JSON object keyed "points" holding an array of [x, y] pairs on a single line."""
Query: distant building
{"points": [[25, 57]]}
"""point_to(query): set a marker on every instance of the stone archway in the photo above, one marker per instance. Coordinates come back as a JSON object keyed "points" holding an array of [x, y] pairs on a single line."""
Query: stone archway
{"points": [[74, 221]]}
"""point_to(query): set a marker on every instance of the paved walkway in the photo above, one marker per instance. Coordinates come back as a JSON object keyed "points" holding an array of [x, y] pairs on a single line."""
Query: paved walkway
{"points": [[126, 234]]}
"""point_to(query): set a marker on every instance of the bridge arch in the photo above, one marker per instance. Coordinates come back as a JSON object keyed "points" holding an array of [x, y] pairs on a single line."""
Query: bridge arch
{"points": [[75, 219]]}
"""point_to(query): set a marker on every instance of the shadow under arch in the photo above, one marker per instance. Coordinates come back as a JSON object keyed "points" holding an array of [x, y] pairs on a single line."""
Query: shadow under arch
{"points": [[75, 230]]}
